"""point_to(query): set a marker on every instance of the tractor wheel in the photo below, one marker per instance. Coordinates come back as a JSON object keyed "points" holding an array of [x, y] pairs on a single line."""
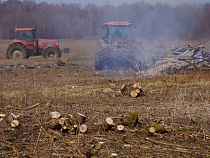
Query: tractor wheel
{"points": [[51, 53], [17, 51], [99, 64]]}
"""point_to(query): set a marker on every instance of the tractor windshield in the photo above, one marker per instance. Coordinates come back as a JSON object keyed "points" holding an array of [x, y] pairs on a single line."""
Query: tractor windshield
{"points": [[28, 36], [119, 31]]}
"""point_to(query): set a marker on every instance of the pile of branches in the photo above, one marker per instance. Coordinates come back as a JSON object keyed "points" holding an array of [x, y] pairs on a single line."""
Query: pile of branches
{"points": [[194, 57]]}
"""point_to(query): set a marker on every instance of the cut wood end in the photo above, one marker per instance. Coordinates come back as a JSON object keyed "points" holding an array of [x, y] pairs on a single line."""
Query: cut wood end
{"points": [[14, 123], [133, 94], [120, 127], [137, 85], [83, 128], [61, 121], [109, 121], [152, 129], [123, 87], [55, 115], [64, 127], [2, 115], [138, 91]]}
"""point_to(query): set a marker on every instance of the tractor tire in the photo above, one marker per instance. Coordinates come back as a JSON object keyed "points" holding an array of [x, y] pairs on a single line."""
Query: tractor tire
{"points": [[51, 53], [17, 51], [99, 63]]}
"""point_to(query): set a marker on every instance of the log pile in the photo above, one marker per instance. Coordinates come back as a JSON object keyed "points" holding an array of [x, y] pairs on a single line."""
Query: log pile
{"points": [[133, 90], [67, 123]]}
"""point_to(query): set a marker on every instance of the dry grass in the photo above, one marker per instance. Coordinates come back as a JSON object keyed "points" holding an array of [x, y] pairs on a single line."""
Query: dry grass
{"points": [[180, 101]]}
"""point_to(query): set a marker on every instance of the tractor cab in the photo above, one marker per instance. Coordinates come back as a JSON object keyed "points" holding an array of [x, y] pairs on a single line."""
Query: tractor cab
{"points": [[26, 34], [118, 33]]}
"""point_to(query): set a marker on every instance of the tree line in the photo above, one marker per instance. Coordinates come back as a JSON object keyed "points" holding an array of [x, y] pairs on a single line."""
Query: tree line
{"points": [[74, 21]]}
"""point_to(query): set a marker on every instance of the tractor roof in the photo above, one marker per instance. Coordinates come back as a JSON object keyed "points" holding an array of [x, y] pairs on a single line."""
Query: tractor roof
{"points": [[24, 29], [119, 23]]}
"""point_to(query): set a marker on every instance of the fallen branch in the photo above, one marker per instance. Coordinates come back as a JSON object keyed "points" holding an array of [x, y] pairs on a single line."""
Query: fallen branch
{"points": [[73, 156], [30, 107], [164, 143]]}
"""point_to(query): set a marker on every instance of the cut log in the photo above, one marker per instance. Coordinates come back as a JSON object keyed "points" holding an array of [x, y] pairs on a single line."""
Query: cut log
{"points": [[124, 89], [80, 117], [2, 117], [54, 133], [83, 128], [120, 128], [54, 124], [70, 120], [109, 123], [3, 123], [73, 130], [55, 115], [61, 121], [138, 91], [152, 130], [137, 85], [133, 94], [48, 119], [14, 123]]}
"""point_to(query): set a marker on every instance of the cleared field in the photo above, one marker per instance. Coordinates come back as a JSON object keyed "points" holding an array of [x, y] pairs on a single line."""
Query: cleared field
{"points": [[177, 106]]}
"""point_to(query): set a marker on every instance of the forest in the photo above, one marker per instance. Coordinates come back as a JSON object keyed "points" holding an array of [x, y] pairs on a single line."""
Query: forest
{"points": [[74, 21]]}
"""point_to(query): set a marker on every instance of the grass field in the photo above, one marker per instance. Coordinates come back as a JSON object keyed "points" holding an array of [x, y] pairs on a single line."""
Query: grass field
{"points": [[179, 104]]}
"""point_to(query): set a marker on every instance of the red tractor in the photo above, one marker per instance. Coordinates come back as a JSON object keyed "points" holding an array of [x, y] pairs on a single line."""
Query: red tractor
{"points": [[26, 45], [117, 48]]}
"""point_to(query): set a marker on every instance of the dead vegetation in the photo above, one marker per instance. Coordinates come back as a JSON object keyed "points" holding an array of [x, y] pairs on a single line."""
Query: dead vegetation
{"points": [[69, 111]]}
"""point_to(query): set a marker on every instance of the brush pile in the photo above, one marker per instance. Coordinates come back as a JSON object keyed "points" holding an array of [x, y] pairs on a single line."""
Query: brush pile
{"points": [[186, 57]]}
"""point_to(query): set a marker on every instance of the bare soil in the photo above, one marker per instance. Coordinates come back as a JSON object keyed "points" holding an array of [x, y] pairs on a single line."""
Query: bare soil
{"points": [[177, 105]]}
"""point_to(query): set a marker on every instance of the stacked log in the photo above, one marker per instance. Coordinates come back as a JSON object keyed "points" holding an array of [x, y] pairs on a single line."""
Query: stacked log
{"points": [[67, 123], [133, 90]]}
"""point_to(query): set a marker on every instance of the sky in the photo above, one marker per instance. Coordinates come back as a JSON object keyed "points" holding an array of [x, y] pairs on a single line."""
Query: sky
{"points": [[119, 2]]}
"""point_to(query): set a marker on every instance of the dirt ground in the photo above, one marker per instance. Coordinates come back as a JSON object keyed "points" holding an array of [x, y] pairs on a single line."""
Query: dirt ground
{"points": [[177, 106]]}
